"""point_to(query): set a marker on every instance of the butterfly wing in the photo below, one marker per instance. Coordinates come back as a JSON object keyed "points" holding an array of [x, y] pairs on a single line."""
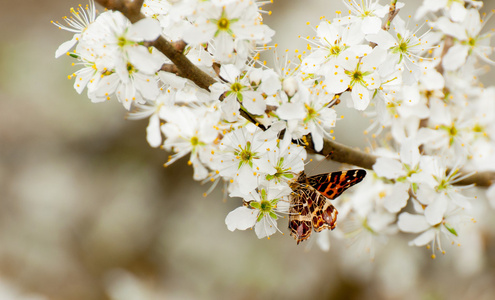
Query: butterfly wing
{"points": [[325, 214], [300, 215], [310, 205], [310, 210], [332, 185]]}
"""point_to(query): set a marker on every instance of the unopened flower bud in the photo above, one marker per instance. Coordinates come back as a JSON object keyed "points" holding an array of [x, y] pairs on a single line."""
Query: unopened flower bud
{"points": [[290, 86]]}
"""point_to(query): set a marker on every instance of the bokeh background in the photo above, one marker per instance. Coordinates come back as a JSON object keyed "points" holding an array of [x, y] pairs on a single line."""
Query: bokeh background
{"points": [[88, 212]]}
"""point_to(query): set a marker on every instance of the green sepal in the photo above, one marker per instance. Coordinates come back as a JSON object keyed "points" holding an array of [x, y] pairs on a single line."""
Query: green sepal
{"points": [[260, 216], [269, 177], [414, 187], [255, 205], [450, 229], [374, 94], [263, 194]]}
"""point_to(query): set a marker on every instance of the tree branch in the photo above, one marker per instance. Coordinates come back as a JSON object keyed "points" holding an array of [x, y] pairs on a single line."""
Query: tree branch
{"points": [[171, 68], [132, 10], [129, 8], [185, 68], [392, 12], [343, 154]]}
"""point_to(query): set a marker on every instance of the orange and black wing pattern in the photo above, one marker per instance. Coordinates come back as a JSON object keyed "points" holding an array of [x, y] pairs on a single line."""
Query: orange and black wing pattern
{"points": [[332, 185], [310, 206]]}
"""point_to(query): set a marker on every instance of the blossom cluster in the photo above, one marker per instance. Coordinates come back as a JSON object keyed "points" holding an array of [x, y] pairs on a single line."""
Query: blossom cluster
{"points": [[249, 130]]}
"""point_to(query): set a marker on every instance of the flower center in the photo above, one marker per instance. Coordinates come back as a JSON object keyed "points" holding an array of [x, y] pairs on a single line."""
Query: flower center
{"points": [[121, 42], [443, 185], [335, 50], [403, 47], [236, 87], [357, 75], [311, 113], [131, 69], [223, 24], [471, 42], [246, 155], [194, 141], [265, 206], [453, 131]]}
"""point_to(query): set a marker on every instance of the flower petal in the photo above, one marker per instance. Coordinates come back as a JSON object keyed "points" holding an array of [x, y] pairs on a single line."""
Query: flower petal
{"points": [[388, 168], [412, 223], [241, 218], [397, 200], [435, 211]]}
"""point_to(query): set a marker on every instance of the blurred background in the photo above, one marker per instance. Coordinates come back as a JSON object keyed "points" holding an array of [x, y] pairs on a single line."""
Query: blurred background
{"points": [[87, 211]]}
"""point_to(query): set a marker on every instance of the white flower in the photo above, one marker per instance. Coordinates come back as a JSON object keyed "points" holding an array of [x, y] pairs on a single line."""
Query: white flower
{"points": [[90, 73], [451, 134], [432, 234], [227, 27], [367, 14], [287, 159], [118, 41], [242, 157], [152, 110], [80, 20], [190, 130], [364, 221], [402, 114], [470, 41], [262, 209], [126, 68], [359, 74], [311, 114], [404, 48], [332, 42], [439, 184], [135, 87], [456, 10], [237, 89]]}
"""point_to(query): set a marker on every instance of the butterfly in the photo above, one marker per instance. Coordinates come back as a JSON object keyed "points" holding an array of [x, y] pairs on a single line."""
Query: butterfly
{"points": [[310, 206]]}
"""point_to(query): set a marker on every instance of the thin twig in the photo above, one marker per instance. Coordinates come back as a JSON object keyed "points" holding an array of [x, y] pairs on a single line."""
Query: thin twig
{"points": [[392, 12]]}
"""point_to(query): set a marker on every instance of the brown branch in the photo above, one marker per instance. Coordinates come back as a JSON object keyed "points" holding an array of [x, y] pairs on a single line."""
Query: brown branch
{"points": [[171, 68], [131, 9], [185, 68], [179, 45], [392, 12], [448, 43], [343, 154], [484, 179]]}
